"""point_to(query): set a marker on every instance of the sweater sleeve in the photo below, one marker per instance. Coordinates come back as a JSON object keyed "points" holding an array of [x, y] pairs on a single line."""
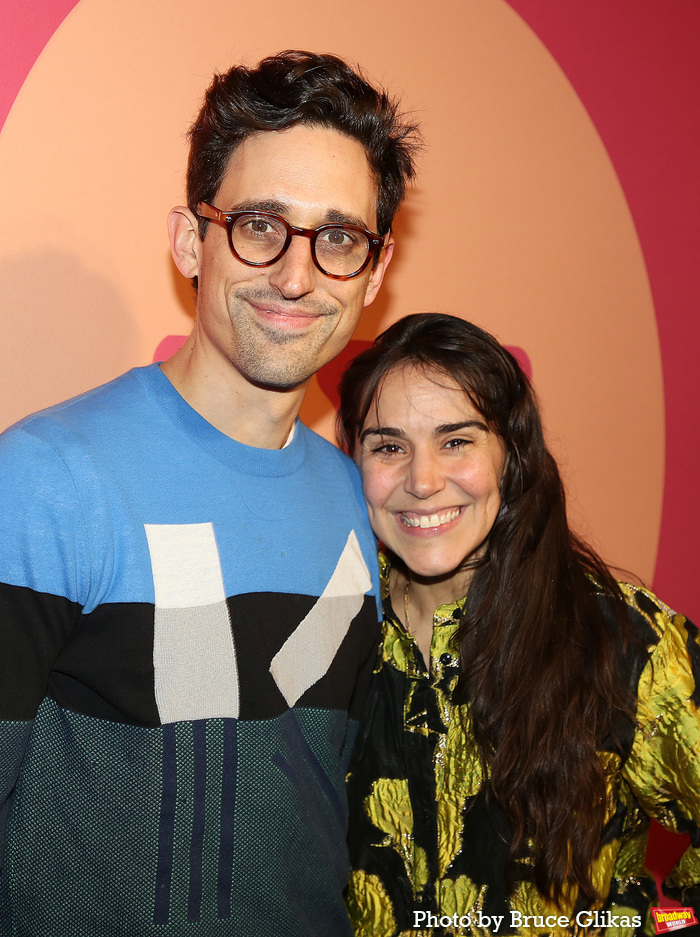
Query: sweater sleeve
{"points": [[41, 526], [663, 768]]}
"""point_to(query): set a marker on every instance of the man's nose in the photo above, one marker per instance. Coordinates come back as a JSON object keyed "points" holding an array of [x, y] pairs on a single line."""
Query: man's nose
{"points": [[294, 274], [425, 476]]}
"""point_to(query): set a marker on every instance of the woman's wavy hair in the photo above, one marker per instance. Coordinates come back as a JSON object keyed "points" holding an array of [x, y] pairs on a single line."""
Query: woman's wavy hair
{"points": [[541, 667]]}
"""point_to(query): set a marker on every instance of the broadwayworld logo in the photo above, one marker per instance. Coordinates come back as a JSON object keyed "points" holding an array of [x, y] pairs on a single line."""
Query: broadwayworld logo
{"points": [[672, 919]]}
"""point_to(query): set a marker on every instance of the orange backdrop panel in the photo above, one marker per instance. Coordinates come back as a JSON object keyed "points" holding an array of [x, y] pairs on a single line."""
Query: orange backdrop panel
{"points": [[519, 220]]}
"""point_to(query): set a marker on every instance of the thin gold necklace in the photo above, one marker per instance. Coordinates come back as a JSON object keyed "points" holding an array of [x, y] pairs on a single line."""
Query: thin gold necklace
{"points": [[405, 606]]}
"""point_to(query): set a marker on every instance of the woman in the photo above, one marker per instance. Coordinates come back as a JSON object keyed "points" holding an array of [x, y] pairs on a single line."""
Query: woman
{"points": [[528, 713]]}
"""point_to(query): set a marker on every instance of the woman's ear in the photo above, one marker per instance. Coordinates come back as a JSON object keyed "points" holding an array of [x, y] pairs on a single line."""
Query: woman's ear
{"points": [[183, 230]]}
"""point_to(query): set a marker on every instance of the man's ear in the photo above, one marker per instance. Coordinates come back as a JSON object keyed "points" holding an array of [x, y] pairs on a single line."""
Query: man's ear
{"points": [[183, 230], [378, 271]]}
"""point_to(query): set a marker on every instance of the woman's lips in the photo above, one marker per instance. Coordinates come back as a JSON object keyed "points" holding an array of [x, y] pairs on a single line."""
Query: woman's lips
{"points": [[429, 521]]}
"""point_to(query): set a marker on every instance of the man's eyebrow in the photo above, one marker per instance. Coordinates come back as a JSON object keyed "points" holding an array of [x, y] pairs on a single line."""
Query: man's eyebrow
{"points": [[381, 431], [338, 217], [332, 216], [264, 204]]}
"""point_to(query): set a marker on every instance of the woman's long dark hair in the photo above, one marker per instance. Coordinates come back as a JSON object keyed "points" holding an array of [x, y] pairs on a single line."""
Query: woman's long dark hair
{"points": [[540, 661]]}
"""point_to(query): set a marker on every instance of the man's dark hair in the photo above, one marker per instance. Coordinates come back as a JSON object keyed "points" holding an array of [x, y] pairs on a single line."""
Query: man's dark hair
{"points": [[300, 88]]}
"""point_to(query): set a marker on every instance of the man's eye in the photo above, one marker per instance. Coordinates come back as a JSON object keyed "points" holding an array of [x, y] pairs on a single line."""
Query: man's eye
{"points": [[255, 227], [260, 226], [339, 237]]}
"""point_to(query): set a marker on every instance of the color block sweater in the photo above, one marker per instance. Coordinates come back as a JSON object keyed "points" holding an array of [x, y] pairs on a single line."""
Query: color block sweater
{"points": [[187, 628]]}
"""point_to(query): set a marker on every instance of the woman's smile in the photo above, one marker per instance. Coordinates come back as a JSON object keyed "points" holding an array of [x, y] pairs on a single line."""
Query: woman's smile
{"points": [[434, 521], [431, 471]]}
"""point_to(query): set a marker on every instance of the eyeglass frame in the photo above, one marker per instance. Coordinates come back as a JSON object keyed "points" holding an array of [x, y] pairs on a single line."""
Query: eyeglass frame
{"points": [[228, 219]]}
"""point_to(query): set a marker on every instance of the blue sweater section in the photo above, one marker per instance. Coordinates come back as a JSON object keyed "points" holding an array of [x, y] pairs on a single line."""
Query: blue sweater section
{"points": [[189, 625], [81, 479]]}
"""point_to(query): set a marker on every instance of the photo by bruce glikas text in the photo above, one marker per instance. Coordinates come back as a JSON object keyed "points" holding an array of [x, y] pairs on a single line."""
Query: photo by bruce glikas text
{"points": [[512, 922]]}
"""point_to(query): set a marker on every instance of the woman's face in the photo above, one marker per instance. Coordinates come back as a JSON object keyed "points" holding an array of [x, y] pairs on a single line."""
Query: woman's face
{"points": [[430, 470]]}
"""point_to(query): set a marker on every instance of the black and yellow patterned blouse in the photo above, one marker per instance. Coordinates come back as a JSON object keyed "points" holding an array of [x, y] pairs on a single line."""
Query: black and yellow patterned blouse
{"points": [[426, 846]]}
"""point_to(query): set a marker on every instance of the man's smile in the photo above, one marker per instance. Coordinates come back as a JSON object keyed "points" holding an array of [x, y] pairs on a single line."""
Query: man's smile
{"points": [[285, 315]]}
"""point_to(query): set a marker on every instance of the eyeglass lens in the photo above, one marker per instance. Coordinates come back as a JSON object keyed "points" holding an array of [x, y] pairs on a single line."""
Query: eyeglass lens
{"points": [[258, 239]]}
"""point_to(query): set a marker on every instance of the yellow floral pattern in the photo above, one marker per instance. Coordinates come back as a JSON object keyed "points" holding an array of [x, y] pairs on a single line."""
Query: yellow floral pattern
{"points": [[425, 841]]}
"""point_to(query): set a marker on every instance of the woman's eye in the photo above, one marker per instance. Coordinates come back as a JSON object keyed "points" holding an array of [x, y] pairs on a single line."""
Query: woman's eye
{"points": [[457, 443], [387, 448]]}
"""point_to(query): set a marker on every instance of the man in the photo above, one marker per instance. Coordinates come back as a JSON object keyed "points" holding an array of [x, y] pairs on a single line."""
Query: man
{"points": [[188, 581]]}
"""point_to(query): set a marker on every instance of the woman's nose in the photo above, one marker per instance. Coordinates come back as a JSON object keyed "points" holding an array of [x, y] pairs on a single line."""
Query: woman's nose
{"points": [[425, 475]]}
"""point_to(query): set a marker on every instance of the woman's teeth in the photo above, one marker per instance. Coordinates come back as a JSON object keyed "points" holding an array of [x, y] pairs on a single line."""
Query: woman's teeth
{"points": [[430, 520]]}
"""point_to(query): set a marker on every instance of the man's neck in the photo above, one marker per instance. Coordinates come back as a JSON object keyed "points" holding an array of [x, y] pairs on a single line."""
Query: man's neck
{"points": [[250, 414]]}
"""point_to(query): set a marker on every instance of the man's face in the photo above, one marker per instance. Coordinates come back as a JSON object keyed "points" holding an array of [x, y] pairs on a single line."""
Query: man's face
{"points": [[278, 325]]}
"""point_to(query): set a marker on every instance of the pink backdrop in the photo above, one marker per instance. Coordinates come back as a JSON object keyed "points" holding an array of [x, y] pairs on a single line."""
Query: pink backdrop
{"points": [[635, 66]]}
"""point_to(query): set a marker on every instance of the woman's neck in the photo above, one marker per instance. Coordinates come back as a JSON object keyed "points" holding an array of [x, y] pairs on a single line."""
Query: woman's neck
{"points": [[415, 599]]}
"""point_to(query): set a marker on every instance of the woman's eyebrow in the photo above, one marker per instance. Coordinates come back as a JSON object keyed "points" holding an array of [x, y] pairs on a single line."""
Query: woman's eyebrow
{"points": [[381, 431], [439, 430], [455, 427]]}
